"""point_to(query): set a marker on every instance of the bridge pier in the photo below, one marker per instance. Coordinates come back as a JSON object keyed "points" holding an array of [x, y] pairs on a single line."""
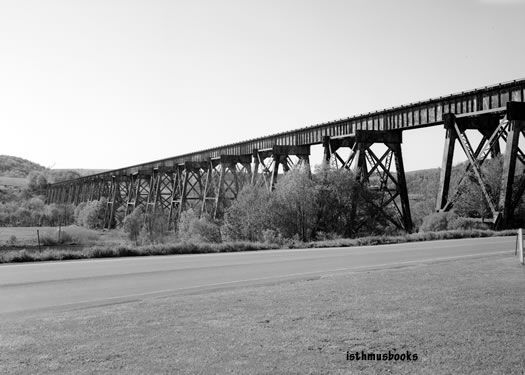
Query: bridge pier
{"points": [[58, 195], [370, 169], [96, 191], [117, 193], [225, 177], [494, 126], [509, 198], [138, 190], [160, 190], [267, 162]]}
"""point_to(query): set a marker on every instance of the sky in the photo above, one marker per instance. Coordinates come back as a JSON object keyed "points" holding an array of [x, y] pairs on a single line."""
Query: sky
{"points": [[108, 84]]}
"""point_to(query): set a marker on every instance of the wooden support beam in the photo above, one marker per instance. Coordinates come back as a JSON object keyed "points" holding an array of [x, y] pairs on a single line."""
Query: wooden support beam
{"points": [[378, 136], [183, 191], [446, 165], [406, 217], [509, 169], [275, 171], [111, 203], [255, 169], [327, 150], [516, 111], [175, 198]]}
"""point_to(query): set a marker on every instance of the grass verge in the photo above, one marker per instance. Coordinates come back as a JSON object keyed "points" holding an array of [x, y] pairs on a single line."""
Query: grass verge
{"points": [[34, 255], [461, 317], [122, 250]]}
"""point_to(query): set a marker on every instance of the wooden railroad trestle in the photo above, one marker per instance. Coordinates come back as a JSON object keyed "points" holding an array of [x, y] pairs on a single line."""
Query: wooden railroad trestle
{"points": [[206, 187], [208, 181]]}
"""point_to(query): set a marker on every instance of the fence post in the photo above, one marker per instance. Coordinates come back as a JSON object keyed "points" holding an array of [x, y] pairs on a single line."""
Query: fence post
{"points": [[38, 238], [519, 246]]}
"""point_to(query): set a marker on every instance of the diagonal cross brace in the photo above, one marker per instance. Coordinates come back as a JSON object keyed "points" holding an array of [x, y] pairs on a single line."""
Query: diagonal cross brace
{"points": [[467, 148]]}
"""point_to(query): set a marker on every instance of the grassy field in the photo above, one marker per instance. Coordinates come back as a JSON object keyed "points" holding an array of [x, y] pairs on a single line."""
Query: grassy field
{"points": [[28, 236], [24, 235], [13, 181], [460, 317]]}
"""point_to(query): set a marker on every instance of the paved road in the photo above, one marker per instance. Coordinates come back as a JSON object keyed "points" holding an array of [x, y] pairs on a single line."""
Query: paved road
{"points": [[56, 285]]}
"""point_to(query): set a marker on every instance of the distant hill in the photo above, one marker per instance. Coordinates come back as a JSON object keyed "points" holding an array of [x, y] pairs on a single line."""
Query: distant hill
{"points": [[423, 183], [12, 166], [14, 171]]}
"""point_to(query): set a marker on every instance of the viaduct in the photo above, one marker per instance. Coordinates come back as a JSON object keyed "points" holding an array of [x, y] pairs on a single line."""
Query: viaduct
{"points": [[207, 180]]}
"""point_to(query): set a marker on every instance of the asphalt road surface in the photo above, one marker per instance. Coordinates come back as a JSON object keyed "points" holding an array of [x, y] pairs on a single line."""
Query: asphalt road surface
{"points": [[72, 284]]}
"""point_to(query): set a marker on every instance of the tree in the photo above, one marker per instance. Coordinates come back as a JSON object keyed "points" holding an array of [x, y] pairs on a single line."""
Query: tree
{"points": [[335, 195], [438, 221], [91, 214], [133, 224], [247, 216], [36, 182], [155, 227], [52, 214], [191, 228], [293, 204]]}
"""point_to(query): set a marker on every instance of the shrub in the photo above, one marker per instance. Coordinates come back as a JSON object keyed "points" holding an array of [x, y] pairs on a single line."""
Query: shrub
{"points": [[271, 236], [36, 182], [293, 205], [12, 240], [155, 227], [60, 237], [81, 235], [91, 214], [120, 215], [191, 228], [133, 224], [78, 212], [464, 223], [247, 216], [322, 236], [52, 214], [336, 191], [437, 221]]}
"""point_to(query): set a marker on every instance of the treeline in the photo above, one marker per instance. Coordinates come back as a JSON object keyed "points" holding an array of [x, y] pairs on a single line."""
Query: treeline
{"points": [[33, 212], [12, 166], [26, 207], [327, 204]]}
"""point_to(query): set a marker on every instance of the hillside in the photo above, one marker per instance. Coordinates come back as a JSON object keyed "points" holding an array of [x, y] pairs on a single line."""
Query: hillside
{"points": [[12, 166], [423, 183], [14, 171]]}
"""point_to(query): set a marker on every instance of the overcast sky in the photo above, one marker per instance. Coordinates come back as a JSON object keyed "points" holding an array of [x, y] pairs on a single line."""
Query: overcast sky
{"points": [[106, 84]]}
